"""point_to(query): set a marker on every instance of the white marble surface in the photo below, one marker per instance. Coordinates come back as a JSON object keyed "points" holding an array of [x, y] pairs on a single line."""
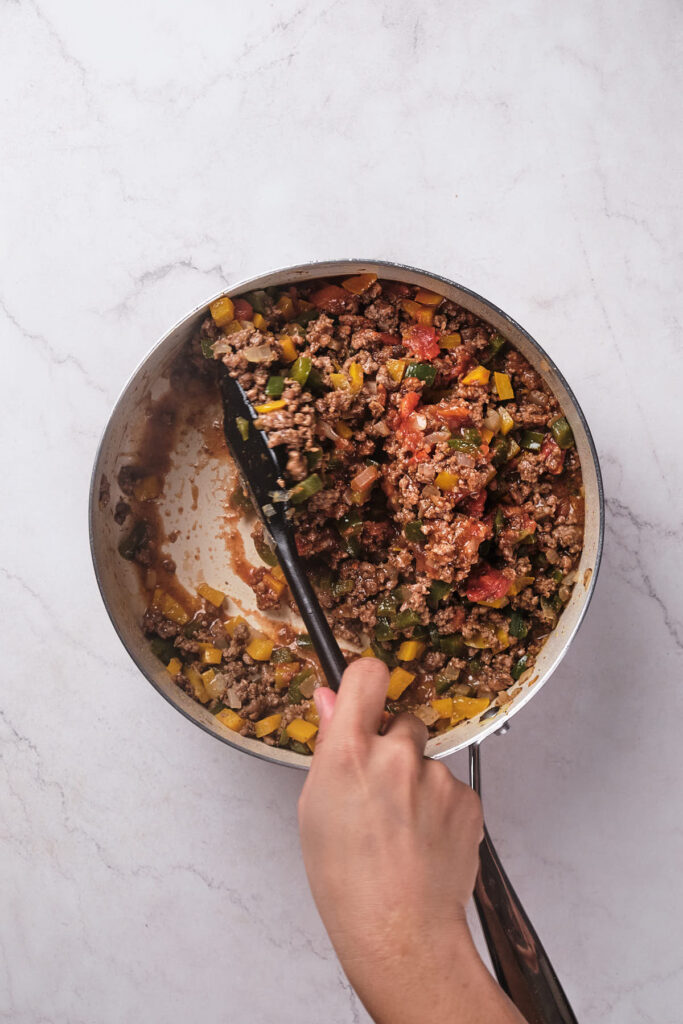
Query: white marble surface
{"points": [[150, 154]]}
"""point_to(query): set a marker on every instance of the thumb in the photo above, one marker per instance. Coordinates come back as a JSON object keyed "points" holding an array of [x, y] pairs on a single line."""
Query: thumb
{"points": [[325, 700]]}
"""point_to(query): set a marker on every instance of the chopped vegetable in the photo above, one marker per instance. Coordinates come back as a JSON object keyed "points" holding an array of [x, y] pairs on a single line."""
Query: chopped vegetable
{"points": [[422, 371], [410, 650], [207, 347], [562, 433], [277, 403], [468, 440], [451, 341], [222, 311], [399, 680], [443, 706], [359, 284], [231, 719], [287, 348], [242, 426], [519, 627], [396, 368], [174, 666], [365, 479], [304, 641], [210, 594], [486, 583], [332, 299], [210, 655], [356, 377], [446, 481], [422, 341], [282, 655], [479, 375], [197, 683], [301, 678], [503, 386], [300, 369], [265, 726], [243, 310], [232, 624], [437, 591], [452, 644], [275, 386], [531, 440], [285, 305], [162, 649], [306, 489], [274, 584], [169, 607], [301, 730], [413, 532], [467, 707], [519, 667], [520, 583], [343, 429], [260, 648], [506, 421], [284, 674], [407, 618], [259, 301], [496, 343], [426, 298]]}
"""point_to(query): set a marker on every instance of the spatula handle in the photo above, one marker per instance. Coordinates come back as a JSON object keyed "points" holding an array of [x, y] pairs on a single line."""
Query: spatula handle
{"points": [[326, 647]]}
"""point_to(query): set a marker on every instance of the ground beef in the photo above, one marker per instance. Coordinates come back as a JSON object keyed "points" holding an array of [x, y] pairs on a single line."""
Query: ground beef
{"points": [[446, 518]]}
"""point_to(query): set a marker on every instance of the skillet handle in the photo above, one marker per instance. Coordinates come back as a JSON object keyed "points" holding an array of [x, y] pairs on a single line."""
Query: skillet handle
{"points": [[331, 658], [521, 964]]}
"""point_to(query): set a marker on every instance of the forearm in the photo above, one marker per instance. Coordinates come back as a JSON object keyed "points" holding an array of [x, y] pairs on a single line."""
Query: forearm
{"points": [[452, 986]]}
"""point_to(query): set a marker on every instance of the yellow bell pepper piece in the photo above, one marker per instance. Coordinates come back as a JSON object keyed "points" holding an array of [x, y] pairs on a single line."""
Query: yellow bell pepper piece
{"points": [[343, 429], [506, 421], [427, 298], [339, 381], [260, 648], [503, 386], [222, 311], [312, 715], [277, 403], [278, 572], [446, 481], [396, 368], [359, 284], [174, 666], [232, 624], [210, 655], [285, 673], [169, 607], [311, 744], [148, 488], [259, 321], [265, 726], [398, 681], [520, 583], [451, 340], [468, 707], [299, 729], [443, 706], [486, 434], [410, 650], [288, 348], [368, 653], [503, 637], [425, 316], [494, 602], [479, 375], [213, 684], [421, 314], [273, 583], [231, 719], [356, 375], [197, 684], [286, 306], [210, 594]]}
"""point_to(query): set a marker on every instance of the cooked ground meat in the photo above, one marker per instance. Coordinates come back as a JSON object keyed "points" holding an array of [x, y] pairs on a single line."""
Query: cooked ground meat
{"points": [[442, 512]]}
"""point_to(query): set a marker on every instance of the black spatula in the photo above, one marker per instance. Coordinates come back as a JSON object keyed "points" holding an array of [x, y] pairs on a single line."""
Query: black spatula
{"points": [[262, 469]]}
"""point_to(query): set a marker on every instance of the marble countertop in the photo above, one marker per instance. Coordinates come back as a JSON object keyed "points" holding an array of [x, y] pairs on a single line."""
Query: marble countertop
{"points": [[153, 153]]}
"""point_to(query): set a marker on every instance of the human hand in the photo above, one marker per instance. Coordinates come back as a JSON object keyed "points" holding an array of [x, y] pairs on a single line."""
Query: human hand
{"points": [[390, 843]]}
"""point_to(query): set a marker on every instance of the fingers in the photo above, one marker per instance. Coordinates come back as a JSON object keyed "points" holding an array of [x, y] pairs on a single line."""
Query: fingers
{"points": [[360, 701], [325, 700], [410, 727]]}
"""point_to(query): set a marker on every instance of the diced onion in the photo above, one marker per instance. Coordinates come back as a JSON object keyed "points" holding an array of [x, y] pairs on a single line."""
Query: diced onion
{"points": [[438, 435], [382, 429], [328, 430], [307, 687], [463, 459], [232, 700], [367, 476], [268, 510], [258, 353], [492, 421]]}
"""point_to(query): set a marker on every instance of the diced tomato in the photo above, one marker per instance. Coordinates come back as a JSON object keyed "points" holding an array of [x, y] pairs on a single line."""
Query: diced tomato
{"points": [[389, 339], [332, 299], [455, 415], [243, 309], [422, 341], [421, 455], [396, 289], [487, 584], [408, 402], [552, 455], [473, 504]]}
